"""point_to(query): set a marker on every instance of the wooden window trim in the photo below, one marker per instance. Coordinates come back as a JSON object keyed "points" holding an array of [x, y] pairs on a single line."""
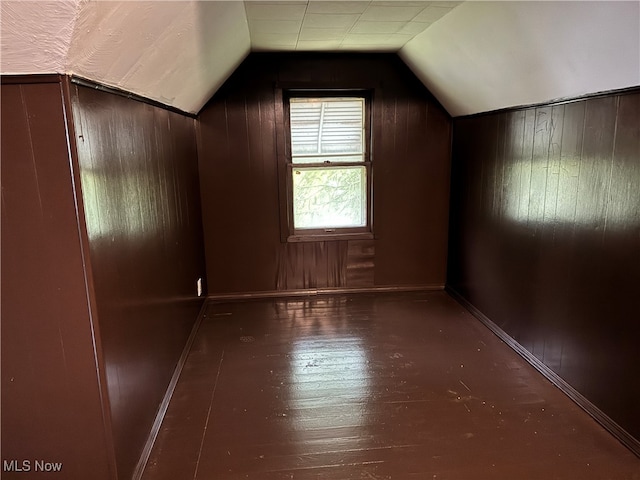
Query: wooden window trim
{"points": [[285, 165]]}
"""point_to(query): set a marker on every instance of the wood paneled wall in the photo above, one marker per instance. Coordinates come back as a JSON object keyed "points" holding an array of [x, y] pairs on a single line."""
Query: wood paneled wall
{"points": [[545, 238], [52, 403], [239, 180], [140, 190]]}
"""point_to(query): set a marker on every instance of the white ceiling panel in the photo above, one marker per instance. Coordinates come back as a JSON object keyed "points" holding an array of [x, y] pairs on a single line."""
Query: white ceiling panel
{"points": [[333, 20], [318, 45], [359, 25], [365, 38], [445, 4], [265, 41], [377, 27], [333, 34], [264, 10], [378, 13], [432, 14], [275, 26], [319, 6], [399, 39], [413, 28]]}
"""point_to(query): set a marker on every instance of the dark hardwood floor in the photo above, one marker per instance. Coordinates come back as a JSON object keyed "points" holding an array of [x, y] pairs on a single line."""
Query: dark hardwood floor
{"points": [[385, 386]]}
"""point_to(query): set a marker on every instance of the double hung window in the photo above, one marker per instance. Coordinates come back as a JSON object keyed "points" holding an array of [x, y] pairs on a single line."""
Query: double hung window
{"points": [[328, 165]]}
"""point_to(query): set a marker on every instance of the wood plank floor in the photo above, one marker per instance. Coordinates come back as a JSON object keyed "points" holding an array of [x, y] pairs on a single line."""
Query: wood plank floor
{"points": [[385, 386]]}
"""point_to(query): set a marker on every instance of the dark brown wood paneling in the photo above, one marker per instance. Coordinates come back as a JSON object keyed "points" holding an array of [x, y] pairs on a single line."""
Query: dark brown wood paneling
{"points": [[239, 179], [545, 238], [52, 405], [360, 263], [140, 189], [312, 265]]}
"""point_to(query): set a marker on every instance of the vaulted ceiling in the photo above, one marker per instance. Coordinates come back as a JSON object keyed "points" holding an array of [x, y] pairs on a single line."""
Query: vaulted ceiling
{"points": [[474, 56]]}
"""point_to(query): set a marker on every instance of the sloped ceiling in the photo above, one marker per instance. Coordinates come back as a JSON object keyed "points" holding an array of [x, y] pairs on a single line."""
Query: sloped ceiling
{"points": [[178, 53], [490, 55], [474, 56]]}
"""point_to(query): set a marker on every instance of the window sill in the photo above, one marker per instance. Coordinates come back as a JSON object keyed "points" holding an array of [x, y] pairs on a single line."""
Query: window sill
{"points": [[329, 237]]}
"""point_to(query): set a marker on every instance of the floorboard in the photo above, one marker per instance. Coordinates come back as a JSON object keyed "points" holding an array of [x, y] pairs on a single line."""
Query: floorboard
{"points": [[364, 386]]}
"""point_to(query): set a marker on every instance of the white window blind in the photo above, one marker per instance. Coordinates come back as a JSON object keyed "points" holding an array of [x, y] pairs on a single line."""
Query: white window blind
{"points": [[327, 130]]}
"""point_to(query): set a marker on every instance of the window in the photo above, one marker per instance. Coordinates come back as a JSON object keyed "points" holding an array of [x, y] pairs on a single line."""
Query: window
{"points": [[328, 166]]}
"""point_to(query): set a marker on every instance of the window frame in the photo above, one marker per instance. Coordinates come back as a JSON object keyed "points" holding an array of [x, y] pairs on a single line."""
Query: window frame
{"points": [[288, 232]]}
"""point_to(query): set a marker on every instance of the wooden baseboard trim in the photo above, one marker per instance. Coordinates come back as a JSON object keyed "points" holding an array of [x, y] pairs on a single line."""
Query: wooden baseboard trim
{"points": [[164, 405], [598, 415], [310, 292]]}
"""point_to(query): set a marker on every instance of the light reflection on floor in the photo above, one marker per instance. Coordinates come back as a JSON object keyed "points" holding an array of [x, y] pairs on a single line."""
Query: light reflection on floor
{"points": [[329, 374]]}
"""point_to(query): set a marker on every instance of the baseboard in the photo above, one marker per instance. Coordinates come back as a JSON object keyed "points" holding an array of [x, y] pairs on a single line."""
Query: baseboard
{"points": [[598, 415], [164, 405], [309, 292]]}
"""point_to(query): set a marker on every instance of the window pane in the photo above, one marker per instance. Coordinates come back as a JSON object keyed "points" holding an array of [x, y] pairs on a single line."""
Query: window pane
{"points": [[329, 129], [329, 197]]}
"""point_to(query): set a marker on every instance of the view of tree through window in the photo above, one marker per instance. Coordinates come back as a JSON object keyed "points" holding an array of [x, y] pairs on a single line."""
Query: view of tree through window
{"points": [[328, 155], [329, 197]]}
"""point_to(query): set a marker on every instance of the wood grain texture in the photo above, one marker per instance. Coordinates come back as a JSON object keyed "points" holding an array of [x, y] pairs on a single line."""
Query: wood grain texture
{"points": [[360, 263], [545, 238], [140, 189], [52, 405], [312, 265], [238, 155], [397, 385]]}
